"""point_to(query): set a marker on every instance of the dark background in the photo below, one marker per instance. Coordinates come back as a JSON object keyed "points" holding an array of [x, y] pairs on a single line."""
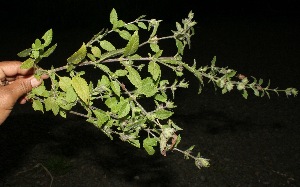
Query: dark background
{"points": [[246, 140]]}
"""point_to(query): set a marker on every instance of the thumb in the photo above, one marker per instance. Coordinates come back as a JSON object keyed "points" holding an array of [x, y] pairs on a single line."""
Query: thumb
{"points": [[20, 87]]}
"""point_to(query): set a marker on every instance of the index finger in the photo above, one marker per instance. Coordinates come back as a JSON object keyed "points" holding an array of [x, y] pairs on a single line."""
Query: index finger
{"points": [[12, 68]]}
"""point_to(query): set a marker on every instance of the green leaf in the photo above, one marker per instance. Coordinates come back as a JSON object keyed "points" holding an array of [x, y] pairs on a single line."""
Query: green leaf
{"points": [[49, 51], [111, 102], [71, 95], [40, 91], [29, 63], [245, 94], [134, 76], [47, 37], [91, 57], [125, 34], [180, 47], [50, 104], [154, 47], [64, 83], [163, 114], [124, 109], [142, 25], [121, 72], [81, 88], [154, 70], [132, 27], [101, 116], [96, 51], [37, 105], [78, 56], [160, 97], [148, 88], [106, 45], [115, 87], [113, 18], [148, 144], [104, 81], [132, 45], [37, 45], [24, 53]]}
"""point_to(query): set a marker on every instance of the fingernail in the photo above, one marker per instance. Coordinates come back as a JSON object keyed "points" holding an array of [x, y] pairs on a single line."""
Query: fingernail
{"points": [[34, 82]]}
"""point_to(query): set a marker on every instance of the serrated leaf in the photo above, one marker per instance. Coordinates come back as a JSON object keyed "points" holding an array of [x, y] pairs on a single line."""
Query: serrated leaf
{"points": [[124, 34], [160, 97], [64, 83], [154, 70], [106, 45], [113, 18], [154, 47], [132, 27], [40, 91], [49, 51], [121, 72], [78, 56], [104, 81], [101, 116], [134, 76], [148, 144], [37, 45], [245, 94], [29, 63], [132, 45], [37, 105], [148, 88], [96, 51], [47, 37], [124, 109], [24, 53], [81, 88], [142, 25], [91, 57], [50, 104], [71, 95], [111, 102], [163, 114], [104, 68], [115, 87], [180, 47]]}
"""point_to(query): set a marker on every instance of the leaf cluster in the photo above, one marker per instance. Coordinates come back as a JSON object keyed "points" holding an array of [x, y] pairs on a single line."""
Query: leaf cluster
{"points": [[114, 102]]}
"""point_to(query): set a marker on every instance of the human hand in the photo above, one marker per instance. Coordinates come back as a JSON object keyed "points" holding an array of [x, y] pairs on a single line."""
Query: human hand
{"points": [[15, 83]]}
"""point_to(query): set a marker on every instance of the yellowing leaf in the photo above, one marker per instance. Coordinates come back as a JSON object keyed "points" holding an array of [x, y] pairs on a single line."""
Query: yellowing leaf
{"points": [[78, 56], [81, 88]]}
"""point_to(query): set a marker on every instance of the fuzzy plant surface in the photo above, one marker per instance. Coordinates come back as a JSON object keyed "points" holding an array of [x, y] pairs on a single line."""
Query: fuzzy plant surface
{"points": [[115, 102]]}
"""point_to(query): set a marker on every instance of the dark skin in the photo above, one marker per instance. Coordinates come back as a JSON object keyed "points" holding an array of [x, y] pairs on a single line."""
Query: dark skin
{"points": [[15, 83]]}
